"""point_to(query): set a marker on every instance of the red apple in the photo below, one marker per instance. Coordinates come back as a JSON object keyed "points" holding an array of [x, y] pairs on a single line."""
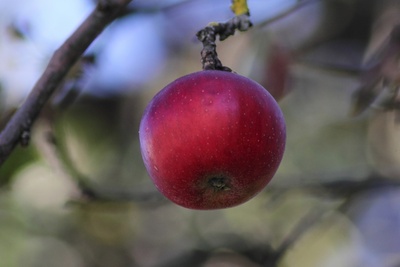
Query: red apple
{"points": [[212, 139]]}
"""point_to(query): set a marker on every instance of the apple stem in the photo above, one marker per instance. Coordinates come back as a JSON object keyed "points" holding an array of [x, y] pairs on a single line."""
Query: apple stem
{"points": [[209, 56]]}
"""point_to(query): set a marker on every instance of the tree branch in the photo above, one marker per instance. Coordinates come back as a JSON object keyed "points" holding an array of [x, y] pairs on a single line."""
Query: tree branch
{"points": [[18, 128]]}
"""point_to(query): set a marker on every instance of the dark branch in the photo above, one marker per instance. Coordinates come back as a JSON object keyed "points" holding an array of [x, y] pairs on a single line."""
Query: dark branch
{"points": [[208, 35], [63, 59], [341, 187]]}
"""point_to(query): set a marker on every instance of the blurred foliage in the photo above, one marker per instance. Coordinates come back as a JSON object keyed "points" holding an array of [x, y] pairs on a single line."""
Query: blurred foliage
{"points": [[20, 157], [79, 195]]}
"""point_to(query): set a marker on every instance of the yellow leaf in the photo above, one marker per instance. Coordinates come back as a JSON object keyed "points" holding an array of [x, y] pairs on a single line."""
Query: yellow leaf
{"points": [[239, 7]]}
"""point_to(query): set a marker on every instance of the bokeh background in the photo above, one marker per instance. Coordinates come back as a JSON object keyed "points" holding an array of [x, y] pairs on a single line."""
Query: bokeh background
{"points": [[79, 194]]}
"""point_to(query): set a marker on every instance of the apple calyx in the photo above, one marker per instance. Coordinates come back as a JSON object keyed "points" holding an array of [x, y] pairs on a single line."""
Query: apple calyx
{"points": [[219, 184]]}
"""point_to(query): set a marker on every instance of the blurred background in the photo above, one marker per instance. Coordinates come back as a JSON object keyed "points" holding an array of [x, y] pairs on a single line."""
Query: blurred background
{"points": [[79, 195]]}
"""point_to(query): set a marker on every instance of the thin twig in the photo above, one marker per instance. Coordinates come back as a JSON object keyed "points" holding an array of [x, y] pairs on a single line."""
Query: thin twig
{"points": [[56, 153], [299, 5], [18, 128]]}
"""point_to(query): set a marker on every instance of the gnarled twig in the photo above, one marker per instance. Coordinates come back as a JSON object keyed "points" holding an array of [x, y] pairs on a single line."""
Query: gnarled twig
{"points": [[208, 35]]}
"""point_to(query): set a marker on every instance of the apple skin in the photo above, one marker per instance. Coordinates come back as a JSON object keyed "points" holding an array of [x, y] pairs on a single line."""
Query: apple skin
{"points": [[212, 139]]}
